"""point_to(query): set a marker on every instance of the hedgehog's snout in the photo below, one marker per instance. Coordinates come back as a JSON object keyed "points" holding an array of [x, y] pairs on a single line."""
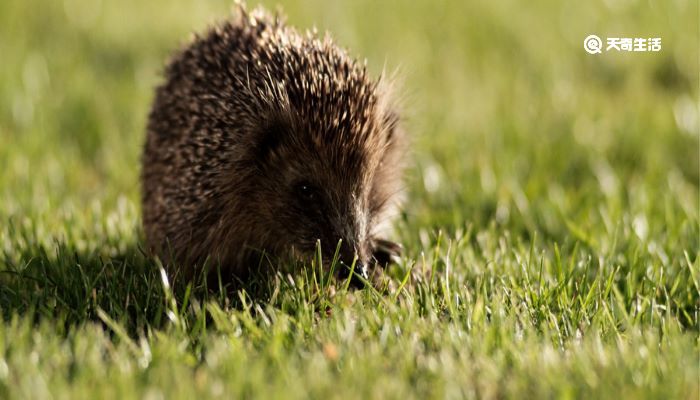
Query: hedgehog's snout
{"points": [[350, 264], [359, 273]]}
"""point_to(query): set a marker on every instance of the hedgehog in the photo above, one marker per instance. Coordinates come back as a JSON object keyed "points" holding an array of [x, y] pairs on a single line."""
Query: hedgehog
{"points": [[264, 143]]}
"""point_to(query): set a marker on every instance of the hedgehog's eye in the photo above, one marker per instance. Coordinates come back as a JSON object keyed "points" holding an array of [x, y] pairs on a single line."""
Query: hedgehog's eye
{"points": [[304, 190]]}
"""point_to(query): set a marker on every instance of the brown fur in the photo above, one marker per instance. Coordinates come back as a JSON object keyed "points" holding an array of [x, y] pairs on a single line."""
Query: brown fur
{"points": [[251, 113]]}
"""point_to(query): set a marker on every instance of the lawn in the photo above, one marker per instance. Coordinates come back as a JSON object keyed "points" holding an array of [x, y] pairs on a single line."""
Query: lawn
{"points": [[551, 230]]}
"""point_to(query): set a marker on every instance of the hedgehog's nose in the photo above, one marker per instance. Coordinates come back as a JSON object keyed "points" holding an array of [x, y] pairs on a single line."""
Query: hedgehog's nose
{"points": [[359, 273]]}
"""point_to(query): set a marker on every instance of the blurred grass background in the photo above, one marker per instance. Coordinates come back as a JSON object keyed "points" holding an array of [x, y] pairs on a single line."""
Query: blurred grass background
{"points": [[520, 138]]}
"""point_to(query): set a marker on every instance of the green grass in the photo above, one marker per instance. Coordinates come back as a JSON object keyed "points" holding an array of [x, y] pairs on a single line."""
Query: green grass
{"points": [[551, 232]]}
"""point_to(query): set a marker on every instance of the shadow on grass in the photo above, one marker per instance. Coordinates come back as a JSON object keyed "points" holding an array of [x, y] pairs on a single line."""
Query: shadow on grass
{"points": [[71, 286]]}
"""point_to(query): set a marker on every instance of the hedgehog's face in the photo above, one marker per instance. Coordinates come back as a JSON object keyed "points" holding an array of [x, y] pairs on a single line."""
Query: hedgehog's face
{"points": [[321, 189]]}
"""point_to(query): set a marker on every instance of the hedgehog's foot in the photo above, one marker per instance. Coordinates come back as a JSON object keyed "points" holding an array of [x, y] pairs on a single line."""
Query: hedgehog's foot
{"points": [[386, 252]]}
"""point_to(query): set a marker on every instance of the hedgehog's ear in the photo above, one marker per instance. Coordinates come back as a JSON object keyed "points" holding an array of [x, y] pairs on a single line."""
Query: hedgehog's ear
{"points": [[269, 139]]}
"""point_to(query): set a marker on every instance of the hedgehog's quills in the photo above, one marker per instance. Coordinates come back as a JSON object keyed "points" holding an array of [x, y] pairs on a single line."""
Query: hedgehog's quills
{"points": [[263, 139]]}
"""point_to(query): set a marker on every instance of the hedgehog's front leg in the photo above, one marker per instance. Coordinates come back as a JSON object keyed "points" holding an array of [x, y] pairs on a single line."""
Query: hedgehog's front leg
{"points": [[386, 252]]}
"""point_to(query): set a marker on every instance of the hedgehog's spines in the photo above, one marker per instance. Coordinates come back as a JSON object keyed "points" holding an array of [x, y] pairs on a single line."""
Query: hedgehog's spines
{"points": [[248, 110]]}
